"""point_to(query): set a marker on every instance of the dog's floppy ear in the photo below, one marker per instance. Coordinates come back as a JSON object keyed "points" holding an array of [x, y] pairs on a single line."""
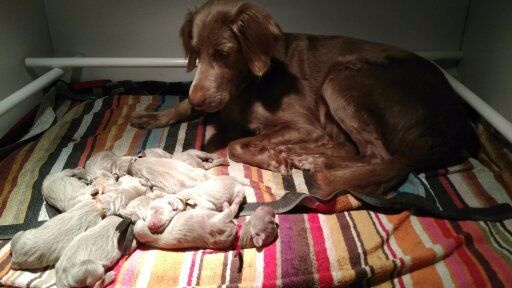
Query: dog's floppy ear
{"points": [[258, 35], [186, 36]]}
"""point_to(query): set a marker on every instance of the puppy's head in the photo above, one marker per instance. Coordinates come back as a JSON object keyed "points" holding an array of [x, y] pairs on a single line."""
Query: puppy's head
{"points": [[262, 227], [229, 41], [161, 211]]}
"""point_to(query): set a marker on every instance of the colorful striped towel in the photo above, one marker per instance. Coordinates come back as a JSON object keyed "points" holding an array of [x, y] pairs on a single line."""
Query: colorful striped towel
{"points": [[313, 249]]}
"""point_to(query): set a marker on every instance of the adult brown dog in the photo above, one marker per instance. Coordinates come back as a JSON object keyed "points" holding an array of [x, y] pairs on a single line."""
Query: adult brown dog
{"points": [[360, 114]]}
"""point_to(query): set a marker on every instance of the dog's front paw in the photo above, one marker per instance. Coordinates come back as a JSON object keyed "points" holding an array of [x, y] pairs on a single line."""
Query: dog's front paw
{"points": [[150, 120]]}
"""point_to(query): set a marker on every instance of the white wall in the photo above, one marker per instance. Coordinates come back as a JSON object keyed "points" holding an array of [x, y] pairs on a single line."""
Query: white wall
{"points": [[23, 32], [487, 65], [131, 28]]}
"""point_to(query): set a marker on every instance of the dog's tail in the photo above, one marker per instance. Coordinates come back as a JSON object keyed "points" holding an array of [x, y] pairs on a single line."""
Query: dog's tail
{"points": [[373, 178]]}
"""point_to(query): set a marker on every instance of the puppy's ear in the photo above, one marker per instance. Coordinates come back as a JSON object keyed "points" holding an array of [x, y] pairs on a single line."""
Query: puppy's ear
{"points": [[257, 239], [186, 36], [258, 35]]}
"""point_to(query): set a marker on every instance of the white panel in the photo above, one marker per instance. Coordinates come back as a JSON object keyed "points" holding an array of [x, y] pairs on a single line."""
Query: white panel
{"points": [[130, 28], [23, 33], [487, 64]]}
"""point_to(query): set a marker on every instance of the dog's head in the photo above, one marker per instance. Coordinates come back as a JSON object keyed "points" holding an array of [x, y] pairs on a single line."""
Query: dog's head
{"points": [[229, 41]]}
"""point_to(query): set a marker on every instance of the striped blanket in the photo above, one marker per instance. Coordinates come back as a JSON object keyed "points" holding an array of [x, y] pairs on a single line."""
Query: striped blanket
{"points": [[356, 247]]}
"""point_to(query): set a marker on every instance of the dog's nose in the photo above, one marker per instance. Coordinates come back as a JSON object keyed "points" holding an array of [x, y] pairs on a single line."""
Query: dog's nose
{"points": [[196, 102], [197, 96]]}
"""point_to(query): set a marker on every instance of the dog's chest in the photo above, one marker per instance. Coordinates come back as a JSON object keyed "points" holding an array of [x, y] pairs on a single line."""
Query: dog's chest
{"points": [[250, 114]]}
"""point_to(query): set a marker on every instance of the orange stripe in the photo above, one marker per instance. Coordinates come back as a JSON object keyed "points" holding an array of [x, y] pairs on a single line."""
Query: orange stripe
{"points": [[6, 269], [211, 269], [14, 172], [162, 275], [422, 257]]}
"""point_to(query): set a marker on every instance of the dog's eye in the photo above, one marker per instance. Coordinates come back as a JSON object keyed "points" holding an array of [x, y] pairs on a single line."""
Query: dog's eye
{"points": [[221, 54]]}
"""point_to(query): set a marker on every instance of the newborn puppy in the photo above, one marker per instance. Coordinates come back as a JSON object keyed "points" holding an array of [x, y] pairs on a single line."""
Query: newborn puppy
{"points": [[194, 228], [161, 211], [168, 174], [139, 208], [41, 247], [65, 189], [212, 193], [193, 157], [260, 230], [84, 261], [201, 159], [209, 195], [106, 164], [156, 153]]}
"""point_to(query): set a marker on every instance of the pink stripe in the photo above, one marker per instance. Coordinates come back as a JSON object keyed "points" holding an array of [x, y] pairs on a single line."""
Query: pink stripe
{"points": [[129, 276], [88, 146], [498, 264], [270, 266], [199, 134], [390, 249], [451, 193], [452, 261], [192, 268], [325, 277], [386, 232]]}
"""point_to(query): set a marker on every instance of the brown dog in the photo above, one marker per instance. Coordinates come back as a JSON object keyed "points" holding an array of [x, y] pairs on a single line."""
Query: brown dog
{"points": [[361, 114]]}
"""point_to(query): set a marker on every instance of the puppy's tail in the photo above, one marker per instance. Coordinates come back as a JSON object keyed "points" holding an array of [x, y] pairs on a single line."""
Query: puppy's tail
{"points": [[374, 178]]}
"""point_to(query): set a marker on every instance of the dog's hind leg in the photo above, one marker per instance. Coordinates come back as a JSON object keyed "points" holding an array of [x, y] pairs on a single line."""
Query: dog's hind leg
{"points": [[372, 178]]}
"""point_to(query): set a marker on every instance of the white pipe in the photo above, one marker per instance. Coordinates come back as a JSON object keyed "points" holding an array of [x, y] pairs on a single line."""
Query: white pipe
{"points": [[33, 87], [171, 62], [106, 62], [441, 55], [494, 118], [498, 121]]}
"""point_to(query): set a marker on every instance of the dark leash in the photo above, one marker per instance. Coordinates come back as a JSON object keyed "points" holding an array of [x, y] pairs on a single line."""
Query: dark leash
{"points": [[126, 234], [401, 201]]}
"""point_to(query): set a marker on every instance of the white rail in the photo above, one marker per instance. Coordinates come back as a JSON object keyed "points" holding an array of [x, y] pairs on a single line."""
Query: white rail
{"points": [[31, 88], [494, 118], [72, 62]]}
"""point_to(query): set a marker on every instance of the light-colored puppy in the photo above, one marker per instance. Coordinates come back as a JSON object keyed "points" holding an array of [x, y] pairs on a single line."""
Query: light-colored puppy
{"points": [[193, 157], [209, 195], [194, 228], [260, 230], [41, 247], [105, 164], [168, 174], [200, 159], [156, 153], [212, 193], [84, 261], [65, 189], [139, 208], [162, 210]]}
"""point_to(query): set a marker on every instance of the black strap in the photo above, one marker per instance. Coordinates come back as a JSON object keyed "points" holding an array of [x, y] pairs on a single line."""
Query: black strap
{"points": [[126, 234], [406, 201], [401, 201], [289, 201]]}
